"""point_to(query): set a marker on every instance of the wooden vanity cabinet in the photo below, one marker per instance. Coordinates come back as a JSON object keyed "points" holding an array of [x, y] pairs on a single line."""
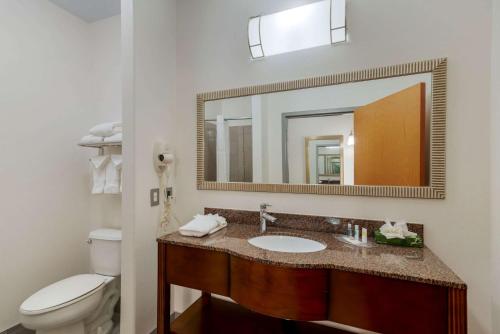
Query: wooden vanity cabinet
{"points": [[379, 304]]}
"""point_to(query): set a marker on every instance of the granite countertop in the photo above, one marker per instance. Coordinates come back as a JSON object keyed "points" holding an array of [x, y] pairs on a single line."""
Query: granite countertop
{"points": [[412, 264]]}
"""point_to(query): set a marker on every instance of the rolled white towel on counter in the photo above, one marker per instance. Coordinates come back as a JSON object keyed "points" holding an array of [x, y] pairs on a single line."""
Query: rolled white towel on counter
{"points": [[116, 138], [202, 225], [90, 140], [106, 129]]}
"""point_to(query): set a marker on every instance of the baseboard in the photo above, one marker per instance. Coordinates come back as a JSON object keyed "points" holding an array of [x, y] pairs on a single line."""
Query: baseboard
{"points": [[18, 329]]}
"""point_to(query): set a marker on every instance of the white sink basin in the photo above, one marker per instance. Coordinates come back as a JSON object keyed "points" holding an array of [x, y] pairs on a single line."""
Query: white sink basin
{"points": [[286, 244]]}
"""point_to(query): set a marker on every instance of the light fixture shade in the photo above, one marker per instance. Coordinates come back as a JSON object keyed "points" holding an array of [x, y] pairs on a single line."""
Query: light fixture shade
{"points": [[316, 24], [338, 26], [254, 40]]}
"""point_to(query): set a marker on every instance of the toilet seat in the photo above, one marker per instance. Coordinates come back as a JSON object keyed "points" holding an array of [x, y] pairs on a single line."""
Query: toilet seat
{"points": [[63, 293]]}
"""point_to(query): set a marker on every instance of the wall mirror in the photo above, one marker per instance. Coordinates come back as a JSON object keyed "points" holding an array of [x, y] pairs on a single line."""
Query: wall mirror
{"points": [[375, 132]]}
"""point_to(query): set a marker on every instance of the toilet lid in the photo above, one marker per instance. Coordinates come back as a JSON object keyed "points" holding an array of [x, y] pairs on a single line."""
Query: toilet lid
{"points": [[62, 292]]}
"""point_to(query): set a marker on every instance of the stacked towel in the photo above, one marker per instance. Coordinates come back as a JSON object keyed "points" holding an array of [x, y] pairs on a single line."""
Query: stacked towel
{"points": [[90, 140], [106, 170], [98, 165], [202, 225], [106, 129], [399, 230], [110, 132], [116, 138], [114, 175], [107, 174]]}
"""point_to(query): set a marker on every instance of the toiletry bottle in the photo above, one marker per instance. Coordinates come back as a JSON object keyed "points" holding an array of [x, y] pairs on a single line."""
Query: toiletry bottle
{"points": [[364, 235], [356, 232]]}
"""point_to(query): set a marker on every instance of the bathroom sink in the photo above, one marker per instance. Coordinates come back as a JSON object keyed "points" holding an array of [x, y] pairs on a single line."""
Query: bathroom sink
{"points": [[286, 244]]}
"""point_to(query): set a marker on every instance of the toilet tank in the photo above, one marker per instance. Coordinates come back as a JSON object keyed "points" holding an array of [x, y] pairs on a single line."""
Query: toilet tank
{"points": [[105, 251]]}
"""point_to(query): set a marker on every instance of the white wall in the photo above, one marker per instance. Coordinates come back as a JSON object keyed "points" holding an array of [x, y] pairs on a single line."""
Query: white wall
{"points": [[105, 48], [258, 140], [55, 83], [43, 103], [148, 47], [212, 53], [495, 165], [229, 108], [46, 103], [105, 37]]}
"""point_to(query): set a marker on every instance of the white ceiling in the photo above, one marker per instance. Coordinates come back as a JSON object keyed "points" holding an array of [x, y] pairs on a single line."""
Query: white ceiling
{"points": [[90, 10]]}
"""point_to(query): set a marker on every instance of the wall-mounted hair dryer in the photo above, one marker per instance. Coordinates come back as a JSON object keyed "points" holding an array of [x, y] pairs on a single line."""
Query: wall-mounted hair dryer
{"points": [[162, 157], [166, 158], [163, 162]]}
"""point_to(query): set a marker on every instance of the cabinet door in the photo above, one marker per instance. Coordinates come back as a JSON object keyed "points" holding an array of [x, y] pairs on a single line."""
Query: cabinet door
{"points": [[387, 305], [198, 269], [288, 293]]}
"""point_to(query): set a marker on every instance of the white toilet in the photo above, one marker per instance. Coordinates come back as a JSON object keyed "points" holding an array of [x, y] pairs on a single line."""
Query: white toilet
{"points": [[81, 304]]}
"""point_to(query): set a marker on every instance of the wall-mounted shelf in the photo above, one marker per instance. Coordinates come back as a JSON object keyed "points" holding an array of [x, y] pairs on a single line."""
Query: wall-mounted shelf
{"points": [[102, 145]]}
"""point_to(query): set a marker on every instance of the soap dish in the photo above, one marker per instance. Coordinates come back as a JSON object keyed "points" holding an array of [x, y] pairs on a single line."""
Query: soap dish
{"points": [[353, 242]]}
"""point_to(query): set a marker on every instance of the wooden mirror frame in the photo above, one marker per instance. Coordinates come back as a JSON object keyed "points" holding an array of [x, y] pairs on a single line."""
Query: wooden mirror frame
{"points": [[437, 180]]}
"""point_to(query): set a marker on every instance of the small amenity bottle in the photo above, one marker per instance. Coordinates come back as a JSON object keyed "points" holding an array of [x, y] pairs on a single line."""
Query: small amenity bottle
{"points": [[364, 235]]}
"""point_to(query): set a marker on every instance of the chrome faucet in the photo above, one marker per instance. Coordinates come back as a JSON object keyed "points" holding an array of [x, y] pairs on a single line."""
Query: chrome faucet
{"points": [[264, 217]]}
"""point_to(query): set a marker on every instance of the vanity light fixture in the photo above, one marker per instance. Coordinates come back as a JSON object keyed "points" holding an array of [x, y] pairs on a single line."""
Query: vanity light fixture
{"points": [[316, 24], [350, 139]]}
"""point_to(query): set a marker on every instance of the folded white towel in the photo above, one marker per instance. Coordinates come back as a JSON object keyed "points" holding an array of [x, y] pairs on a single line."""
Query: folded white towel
{"points": [[199, 226], [113, 175], [219, 227], [399, 230], [390, 231], [404, 227], [116, 138], [99, 173], [202, 225], [106, 129], [90, 139]]}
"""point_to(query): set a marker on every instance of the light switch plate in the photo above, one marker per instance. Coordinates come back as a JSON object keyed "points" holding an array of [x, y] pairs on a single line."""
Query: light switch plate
{"points": [[154, 197]]}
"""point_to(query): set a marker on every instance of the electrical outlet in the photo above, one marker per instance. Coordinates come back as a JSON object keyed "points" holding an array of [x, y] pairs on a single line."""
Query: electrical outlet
{"points": [[169, 192], [154, 196]]}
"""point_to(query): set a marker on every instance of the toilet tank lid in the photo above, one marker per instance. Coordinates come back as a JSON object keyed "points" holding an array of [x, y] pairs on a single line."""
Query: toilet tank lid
{"points": [[106, 234]]}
